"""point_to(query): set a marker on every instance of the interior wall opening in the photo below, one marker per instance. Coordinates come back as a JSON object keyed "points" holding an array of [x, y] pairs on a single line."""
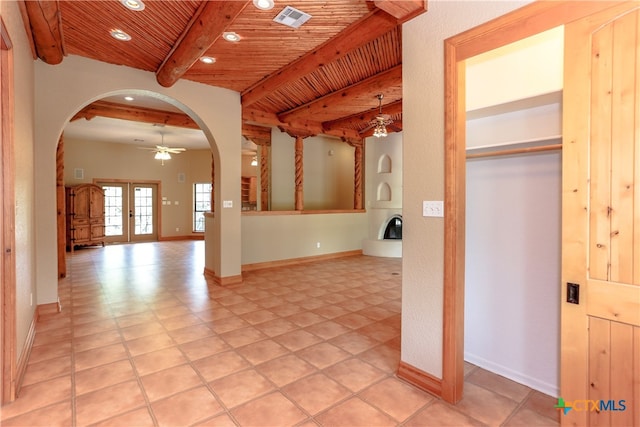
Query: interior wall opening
{"points": [[513, 195]]}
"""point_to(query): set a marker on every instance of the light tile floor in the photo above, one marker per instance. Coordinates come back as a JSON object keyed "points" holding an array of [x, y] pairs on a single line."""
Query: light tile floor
{"points": [[143, 339]]}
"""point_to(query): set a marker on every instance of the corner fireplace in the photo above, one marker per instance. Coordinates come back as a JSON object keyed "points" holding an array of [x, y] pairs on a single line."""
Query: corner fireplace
{"points": [[393, 230]]}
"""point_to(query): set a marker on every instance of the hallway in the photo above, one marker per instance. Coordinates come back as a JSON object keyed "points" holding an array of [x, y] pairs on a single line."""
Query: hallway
{"points": [[143, 339]]}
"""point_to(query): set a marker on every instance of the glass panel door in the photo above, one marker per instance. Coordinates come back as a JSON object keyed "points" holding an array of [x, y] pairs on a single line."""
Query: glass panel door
{"points": [[131, 212], [116, 212], [143, 212]]}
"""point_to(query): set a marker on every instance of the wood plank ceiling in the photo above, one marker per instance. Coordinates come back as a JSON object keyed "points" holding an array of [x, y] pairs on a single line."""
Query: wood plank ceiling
{"points": [[321, 78]]}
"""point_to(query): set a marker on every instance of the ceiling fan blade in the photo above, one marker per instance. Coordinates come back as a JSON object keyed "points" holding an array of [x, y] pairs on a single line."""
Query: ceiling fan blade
{"points": [[369, 126], [175, 150]]}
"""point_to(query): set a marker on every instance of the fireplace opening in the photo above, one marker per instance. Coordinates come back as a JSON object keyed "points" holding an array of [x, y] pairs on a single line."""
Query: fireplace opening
{"points": [[393, 230]]}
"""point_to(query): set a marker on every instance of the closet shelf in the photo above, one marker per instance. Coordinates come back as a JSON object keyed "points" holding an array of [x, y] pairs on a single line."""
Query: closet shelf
{"points": [[519, 104]]}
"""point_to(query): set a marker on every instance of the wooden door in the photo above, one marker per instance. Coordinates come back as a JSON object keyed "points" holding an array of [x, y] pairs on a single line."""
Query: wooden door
{"points": [[600, 332], [96, 212]]}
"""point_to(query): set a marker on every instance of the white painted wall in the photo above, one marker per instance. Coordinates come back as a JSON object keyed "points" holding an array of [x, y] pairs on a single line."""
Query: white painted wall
{"points": [[386, 152], [24, 146], [512, 271], [423, 167]]}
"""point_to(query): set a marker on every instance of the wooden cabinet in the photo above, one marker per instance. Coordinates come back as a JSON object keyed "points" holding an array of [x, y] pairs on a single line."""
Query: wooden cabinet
{"points": [[249, 193], [85, 215]]}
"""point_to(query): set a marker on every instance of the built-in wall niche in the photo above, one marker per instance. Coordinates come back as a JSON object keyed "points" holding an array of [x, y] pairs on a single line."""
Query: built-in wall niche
{"points": [[384, 164], [384, 192]]}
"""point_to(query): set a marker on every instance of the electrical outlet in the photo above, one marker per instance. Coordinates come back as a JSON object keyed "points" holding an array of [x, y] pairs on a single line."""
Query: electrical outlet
{"points": [[227, 203], [433, 208], [318, 245]]}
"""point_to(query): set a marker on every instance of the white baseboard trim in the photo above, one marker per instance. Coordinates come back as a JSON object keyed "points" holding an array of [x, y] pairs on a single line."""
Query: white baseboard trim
{"points": [[552, 390]]}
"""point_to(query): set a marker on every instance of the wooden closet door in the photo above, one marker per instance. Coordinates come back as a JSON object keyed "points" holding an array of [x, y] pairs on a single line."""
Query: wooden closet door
{"points": [[600, 332]]}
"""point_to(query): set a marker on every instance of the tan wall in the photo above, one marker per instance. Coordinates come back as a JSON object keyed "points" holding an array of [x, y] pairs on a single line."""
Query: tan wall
{"points": [[277, 237], [327, 173], [423, 171], [25, 249], [108, 161]]}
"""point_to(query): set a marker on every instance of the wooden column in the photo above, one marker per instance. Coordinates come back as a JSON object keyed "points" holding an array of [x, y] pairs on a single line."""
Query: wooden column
{"points": [[357, 176], [261, 136], [358, 157], [299, 181], [265, 160], [61, 209], [299, 135]]}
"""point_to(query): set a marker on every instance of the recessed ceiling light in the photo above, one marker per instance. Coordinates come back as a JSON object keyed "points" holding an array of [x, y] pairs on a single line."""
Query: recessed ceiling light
{"points": [[263, 4], [120, 35], [207, 59], [136, 5], [231, 36], [128, 98]]}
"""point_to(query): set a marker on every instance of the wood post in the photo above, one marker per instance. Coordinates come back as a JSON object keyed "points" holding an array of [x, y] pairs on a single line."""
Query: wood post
{"points": [[265, 160], [357, 176], [299, 181]]}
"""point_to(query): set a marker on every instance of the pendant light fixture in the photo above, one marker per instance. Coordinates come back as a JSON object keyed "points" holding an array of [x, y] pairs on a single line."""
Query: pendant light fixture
{"points": [[380, 122]]}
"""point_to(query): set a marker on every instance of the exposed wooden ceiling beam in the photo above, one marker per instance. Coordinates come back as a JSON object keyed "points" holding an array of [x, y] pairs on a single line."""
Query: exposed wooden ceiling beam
{"points": [[315, 128], [205, 28], [402, 10], [356, 35], [257, 134], [345, 97], [46, 29], [136, 114], [364, 117]]}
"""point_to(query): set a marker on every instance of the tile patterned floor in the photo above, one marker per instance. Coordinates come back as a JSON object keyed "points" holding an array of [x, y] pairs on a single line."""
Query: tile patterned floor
{"points": [[143, 339]]}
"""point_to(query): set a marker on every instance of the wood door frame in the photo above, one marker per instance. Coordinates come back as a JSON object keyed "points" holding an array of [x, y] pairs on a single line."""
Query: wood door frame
{"points": [[517, 25], [7, 218]]}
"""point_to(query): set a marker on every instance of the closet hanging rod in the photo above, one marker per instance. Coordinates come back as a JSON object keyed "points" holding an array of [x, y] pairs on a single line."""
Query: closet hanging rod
{"points": [[550, 147]]}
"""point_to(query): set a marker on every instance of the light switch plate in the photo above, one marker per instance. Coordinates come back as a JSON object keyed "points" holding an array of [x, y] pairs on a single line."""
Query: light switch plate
{"points": [[433, 208], [227, 203]]}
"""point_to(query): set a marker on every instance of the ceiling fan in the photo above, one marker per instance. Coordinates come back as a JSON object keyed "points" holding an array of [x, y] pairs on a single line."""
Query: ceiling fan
{"points": [[379, 122], [163, 152]]}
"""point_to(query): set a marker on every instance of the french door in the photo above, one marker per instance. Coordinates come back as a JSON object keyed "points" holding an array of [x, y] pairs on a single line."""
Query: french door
{"points": [[131, 211]]}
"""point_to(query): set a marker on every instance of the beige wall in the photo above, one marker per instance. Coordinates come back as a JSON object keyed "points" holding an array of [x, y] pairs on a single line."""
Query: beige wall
{"points": [[23, 137], [423, 171], [108, 161], [63, 89], [280, 237], [327, 178]]}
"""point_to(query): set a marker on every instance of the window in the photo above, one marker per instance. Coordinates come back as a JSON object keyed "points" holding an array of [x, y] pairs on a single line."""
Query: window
{"points": [[201, 204]]}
